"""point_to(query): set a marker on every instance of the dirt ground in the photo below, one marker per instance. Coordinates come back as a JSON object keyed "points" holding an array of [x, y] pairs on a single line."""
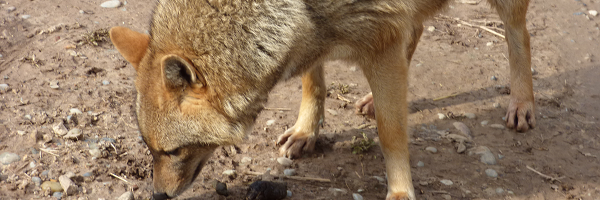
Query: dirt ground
{"points": [[56, 57]]}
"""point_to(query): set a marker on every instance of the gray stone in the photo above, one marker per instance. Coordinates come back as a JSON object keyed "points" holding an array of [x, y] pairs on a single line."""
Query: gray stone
{"points": [[32, 164], [45, 173], [493, 78], [286, 162], [57, 195], [431, 149], [462, 127], [73, 134], [488, 158], [105, 82], [270, 122], [36, 180], [491, 173], [470, 115], [497, 126], [3, 87], [54, 85], [356, 196], [289, 193], [27, 117], [25, 16], [485, 122], [420, 164], [289, 172], [126, 196], [87, 174], [7, 158], [461, 147], [496, 105], [11, 8], [68, 185], [499, 191], [446, 182], [111, 4]]}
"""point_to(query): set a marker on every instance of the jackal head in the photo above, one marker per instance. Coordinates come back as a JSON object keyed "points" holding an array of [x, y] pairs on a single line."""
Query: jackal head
{"points": [[180, 117]]}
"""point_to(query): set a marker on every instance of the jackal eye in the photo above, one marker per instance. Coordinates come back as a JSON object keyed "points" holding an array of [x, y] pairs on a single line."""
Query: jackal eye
{"points": [[173, 152]]}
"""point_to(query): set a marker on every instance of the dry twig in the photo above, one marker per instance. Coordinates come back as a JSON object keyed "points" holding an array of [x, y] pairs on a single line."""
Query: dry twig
{"points": [[447, 96], [278, 109], [120, 178], [471, 25], [49, 151], [544, 175]]}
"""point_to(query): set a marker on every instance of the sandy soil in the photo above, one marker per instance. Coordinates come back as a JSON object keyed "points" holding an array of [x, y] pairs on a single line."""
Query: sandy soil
{"points": [[452, 59]]}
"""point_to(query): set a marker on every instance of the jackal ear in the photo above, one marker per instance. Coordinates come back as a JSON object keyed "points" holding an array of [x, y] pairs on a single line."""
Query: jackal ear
{"points": [[132, 45], [179, 73]]}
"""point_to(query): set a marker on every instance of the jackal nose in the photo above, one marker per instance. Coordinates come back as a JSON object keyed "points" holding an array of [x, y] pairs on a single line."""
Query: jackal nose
{"points": [[160, 196]]}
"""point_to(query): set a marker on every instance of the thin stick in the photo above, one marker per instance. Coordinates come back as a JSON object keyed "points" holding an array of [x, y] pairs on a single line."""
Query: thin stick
{"points": [[299, 178], [340, 97], [49, 151], [120, 178], [544, 175], [445, 97], [474, 26], [279, 109]]}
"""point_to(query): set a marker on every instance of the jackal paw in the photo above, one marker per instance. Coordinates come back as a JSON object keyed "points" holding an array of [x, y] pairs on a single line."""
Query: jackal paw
{"points": [[294, 141], [520, 115], [398, 196], [365, 106]]}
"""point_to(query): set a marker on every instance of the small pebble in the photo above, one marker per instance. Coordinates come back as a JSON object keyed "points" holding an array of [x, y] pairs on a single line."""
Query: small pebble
{"points": [[491, 173], [246, 160], [420, 164], [44, 173], [446, 196], [461, 147], [496, 105], [286, 162], [105, 82], [497, 126], [270, 122], [25, 16], [57, 195], [7, 158], [488, 158], [485, 122], [32, 164], [500, 156], [126, 196], [332, 112], [266, 190], [462, 127], [499, 190], [337, 191], [87, 174], [353, 69], [360, 190], [431, 149], [68, 185], [489, 44], [21, 133], [289, 193], [357, 196], [470, 115], [3, 87], [431, 28], [54, 85], [493, 78], [52, 186], [27, 117], [36, 180], [379, 178], [221, 188], [11, 8], [75, 111], [230, 173], [446, 182], [73, 134], [289, 172], [441, 116], [593, 12], [111, 4], [81, 12]]}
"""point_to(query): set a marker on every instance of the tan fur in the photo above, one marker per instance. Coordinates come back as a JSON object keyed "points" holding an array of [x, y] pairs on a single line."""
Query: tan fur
{"points": [[209, 65]]}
